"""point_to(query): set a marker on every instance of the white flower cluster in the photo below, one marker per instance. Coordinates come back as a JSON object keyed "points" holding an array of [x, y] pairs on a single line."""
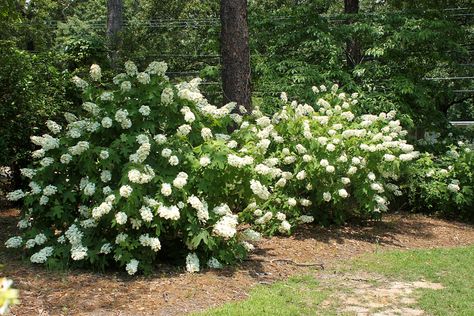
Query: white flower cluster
{"points": [[80, 83], [121, 116], [141, 154], [200, 207], [181, 180], [157, 68], [239, 162], [192, 263], [169, 212], [226, 227], [101, 210], [42, 255], [143, 78], [47, 142], [74, 235], [167, 96], [135, 176], [79, 148], [95, 72], [152, 242], [259, 189], [15, 195], [132, 266], [454, 186], [14, 242]]}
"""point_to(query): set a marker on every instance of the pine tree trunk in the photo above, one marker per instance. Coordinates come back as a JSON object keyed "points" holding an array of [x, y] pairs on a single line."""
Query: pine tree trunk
{"points": [[235, 52], [353, 48], [114, 29]]}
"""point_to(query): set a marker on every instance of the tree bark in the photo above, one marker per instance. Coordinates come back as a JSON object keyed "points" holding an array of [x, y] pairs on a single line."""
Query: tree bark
{"points": [[353, 48], [235, 52], [114, 29]]}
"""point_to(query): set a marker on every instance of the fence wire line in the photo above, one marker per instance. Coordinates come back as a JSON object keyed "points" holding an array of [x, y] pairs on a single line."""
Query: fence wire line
{"points": [[216, 20]]}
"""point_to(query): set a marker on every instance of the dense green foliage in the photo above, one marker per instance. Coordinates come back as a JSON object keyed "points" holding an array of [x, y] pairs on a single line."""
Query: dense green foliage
{"points": [[400, 47], [443, 183], [33, 89]]}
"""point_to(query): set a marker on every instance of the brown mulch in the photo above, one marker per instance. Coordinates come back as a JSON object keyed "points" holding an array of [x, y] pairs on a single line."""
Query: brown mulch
{"points": [[171, 291]]}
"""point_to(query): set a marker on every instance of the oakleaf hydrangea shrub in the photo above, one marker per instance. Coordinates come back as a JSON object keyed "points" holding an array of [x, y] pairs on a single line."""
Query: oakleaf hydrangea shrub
{"points": [[136, 176], [443, 183], [322, 162]]}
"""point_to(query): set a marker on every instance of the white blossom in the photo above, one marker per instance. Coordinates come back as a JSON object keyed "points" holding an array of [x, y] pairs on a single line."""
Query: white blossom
{"points": [[143, 78], [226, 226], [169, 212], [146, 214], [166, 189], [260, 190], [192, 263], [14, 242], [125, 191], [327, 196], [144, 110], [132, 267], [343, 193], [95, 72], [204, 161], [121, 218]]}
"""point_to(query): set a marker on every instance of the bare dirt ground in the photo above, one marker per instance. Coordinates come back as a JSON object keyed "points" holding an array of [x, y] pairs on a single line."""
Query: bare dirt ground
{"points": [[171, 291], [365, 294]]}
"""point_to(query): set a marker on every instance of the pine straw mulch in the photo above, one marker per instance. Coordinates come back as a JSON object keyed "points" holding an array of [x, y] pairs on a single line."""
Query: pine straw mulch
{"points": [[171, 291]]}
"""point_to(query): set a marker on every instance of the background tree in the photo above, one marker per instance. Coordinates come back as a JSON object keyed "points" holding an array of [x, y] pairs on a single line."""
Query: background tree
{"points": [[235, 52], [114, 29], [353, 50]]}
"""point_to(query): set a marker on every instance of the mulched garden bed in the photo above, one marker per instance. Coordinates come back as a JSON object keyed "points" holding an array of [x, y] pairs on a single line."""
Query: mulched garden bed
{"points": [[171, 291]]}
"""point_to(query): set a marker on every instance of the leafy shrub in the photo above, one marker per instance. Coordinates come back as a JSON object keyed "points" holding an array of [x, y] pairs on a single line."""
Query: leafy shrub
{"points": [[32, 90], [138, 171], [322, 161], [8, 296], [443, 183], [149, 166]]}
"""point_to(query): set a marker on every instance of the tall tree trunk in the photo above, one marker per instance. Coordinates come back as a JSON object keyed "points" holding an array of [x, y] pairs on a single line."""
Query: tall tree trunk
{"points": [[353, 48], [235, 52], [114, 29]]}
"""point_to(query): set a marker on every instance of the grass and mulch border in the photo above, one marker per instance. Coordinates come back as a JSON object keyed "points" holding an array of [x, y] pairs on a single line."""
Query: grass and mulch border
{"points": [[171, 291]]}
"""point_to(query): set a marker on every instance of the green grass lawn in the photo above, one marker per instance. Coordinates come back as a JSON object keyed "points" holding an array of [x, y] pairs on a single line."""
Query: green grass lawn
{"points": [[453, 268], [296, 296]]}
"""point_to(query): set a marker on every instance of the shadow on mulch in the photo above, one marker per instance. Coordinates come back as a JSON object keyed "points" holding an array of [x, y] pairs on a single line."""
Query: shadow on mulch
{"points": [[171, 291], [376, 232]]}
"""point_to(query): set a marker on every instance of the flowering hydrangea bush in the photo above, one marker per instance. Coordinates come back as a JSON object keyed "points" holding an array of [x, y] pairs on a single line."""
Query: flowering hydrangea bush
{"points": [[321, 162], [443, 183], [136, 176]]}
